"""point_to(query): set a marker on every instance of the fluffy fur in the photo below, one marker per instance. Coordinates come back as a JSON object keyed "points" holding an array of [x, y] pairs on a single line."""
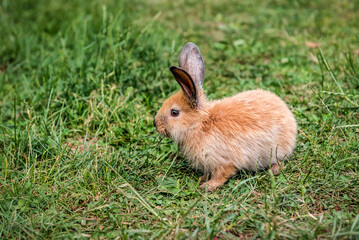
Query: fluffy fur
{"points": [[252, 130]]}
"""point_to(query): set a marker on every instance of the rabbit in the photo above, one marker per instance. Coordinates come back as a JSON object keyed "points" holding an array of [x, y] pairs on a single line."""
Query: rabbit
{"points": [[252, 130]]}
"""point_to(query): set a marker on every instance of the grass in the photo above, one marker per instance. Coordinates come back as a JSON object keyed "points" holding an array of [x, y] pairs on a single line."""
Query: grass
{"points": [[80, 83]]}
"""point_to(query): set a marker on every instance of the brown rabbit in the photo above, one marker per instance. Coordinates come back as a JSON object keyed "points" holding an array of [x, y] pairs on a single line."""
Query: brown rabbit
{"points": [[252, 130]]}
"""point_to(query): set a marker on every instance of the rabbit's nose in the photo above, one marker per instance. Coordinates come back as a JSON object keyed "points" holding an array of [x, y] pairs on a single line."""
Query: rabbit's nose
{"points": [[154, 122]]}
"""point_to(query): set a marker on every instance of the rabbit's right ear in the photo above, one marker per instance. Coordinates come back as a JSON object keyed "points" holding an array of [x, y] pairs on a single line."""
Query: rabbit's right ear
{"points": [[191, 61], [190, 72]]}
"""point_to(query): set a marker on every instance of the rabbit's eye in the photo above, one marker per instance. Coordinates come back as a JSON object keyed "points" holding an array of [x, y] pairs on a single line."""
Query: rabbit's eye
{"points": [[174, 113]]}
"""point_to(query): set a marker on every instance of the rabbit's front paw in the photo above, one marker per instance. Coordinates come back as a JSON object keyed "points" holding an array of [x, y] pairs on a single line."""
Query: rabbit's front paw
{"points": [[204, 178], [211, 185]]}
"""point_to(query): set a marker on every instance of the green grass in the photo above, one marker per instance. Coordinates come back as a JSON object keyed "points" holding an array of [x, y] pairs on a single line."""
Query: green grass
{"points": [[80, 83]]}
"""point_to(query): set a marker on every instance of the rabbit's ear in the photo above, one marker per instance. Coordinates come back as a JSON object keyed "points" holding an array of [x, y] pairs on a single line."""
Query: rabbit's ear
{"points": [[188, 86], [191, 61]]}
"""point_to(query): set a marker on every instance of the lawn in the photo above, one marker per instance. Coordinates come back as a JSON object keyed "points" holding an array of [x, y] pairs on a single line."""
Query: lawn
{"points": [[80, 83]]}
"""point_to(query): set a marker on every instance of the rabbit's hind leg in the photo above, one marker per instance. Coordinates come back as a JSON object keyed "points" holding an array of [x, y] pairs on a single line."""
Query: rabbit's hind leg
{"points": [[276, 168]]}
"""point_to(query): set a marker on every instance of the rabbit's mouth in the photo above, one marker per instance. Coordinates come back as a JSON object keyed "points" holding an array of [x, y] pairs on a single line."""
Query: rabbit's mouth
{"points": [[167, 134], [161, 127], [163, 132]]}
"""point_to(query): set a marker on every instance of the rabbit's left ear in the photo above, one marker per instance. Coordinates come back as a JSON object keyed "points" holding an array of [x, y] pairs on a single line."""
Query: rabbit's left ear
{"points": [[188, 86]]}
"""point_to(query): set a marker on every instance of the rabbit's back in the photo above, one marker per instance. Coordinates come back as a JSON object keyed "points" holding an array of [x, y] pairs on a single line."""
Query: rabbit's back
{"points": [[256, 127]]}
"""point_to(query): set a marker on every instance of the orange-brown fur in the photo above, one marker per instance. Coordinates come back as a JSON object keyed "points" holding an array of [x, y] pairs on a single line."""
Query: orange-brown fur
{"points": [[221, 133], [252, 130]]}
